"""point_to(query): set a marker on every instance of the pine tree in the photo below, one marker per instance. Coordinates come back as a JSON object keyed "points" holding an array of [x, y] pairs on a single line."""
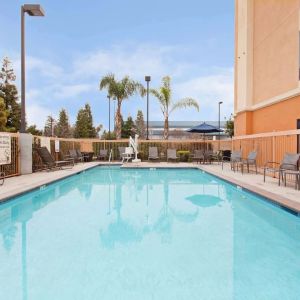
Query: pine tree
{"points": [[84, 124], [50, 127], [63, 125], [129, 128], [3, 115], [140, 125], [33, 130], [9, 93]]}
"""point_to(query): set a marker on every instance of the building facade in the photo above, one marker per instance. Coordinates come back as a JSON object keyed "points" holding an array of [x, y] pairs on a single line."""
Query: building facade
{"points": [[267, 86]]}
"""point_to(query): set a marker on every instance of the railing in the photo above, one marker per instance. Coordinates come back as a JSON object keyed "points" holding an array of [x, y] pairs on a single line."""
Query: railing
{"points": [[270, 146]]}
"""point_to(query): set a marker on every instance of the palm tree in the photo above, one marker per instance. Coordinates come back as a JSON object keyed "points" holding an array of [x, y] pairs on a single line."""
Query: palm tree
{"points": [[164, 96], [120, 90]]}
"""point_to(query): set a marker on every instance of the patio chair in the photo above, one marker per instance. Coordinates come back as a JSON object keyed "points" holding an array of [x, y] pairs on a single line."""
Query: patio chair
{"points": [[198, 156], [73, 155], [234, 159], [2, 177], [208, 156], [48, 161], [171, 154], [249, 161], [153, 153], [289, 162], [128, 154], [102, 154], [121, 152], [82, 157]]}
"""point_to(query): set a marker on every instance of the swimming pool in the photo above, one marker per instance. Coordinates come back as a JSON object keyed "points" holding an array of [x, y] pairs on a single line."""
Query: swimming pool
{"points": [[114, 233]]}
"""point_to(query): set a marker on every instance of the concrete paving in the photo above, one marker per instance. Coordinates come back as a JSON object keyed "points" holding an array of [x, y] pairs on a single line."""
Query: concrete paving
{"points": [[14, 186], [286, 196]]}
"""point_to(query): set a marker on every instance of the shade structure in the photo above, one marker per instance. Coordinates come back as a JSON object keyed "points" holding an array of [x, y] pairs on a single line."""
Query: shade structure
{"points": [[204, 128]]}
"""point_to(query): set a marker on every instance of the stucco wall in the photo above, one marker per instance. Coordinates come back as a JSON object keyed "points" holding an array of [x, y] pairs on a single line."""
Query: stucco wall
{"points": [[275, 48], [277, 117]]}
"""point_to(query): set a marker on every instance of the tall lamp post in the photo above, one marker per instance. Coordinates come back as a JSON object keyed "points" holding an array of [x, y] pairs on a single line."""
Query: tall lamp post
{"points": [[34, 10], [108, 97], [220, 102], [147, 79]]}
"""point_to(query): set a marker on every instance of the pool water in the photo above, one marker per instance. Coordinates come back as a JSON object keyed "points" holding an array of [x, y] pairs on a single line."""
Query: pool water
{"points": [[111, 233]]}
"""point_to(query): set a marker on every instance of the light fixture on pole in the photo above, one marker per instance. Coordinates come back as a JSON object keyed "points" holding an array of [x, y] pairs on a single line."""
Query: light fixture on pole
{"points": [[147, 79], [220, 102], [34, 10], [108, 97]]}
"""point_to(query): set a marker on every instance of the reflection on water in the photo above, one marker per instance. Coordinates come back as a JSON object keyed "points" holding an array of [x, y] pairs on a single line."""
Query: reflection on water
{"points": [[146, 235]]}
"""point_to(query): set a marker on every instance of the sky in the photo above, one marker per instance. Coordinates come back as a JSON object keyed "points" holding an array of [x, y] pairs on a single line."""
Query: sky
{"points": [[78, 42]]}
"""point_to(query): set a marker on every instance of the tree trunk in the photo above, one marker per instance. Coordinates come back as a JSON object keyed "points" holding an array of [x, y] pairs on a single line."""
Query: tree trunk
{"points": [[166, 127], [118, 119]]}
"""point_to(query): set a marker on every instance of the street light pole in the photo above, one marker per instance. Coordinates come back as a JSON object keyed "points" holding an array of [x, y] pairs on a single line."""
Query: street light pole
{"points": [[220, 102], [108, 97], [147, 79], [32, 10]]}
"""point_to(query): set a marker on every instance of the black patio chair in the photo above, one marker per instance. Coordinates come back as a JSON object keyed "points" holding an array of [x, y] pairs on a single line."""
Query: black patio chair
{"points": [[49, 163]]}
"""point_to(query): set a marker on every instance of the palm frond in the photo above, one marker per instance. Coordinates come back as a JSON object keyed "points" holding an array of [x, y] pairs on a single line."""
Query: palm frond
{"points": [[185, 103], [160, 98]]}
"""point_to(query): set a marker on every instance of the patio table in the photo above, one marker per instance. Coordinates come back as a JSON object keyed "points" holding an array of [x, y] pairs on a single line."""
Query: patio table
{"points": [[293, 173]]}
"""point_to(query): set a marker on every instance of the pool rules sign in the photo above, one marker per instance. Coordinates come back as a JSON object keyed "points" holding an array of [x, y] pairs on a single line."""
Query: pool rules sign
{"points": [[5, 149]]}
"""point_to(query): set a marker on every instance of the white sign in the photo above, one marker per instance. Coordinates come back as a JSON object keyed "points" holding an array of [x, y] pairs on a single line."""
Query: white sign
{"points": [[56, 146], [5, 149]]}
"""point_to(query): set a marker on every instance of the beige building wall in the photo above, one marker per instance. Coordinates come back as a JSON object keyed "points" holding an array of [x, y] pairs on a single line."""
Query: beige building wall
{"points": [[266, 61]]}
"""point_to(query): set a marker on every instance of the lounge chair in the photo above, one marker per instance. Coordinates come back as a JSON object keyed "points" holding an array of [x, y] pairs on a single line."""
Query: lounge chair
{"points": [[198, 156], [128, 154], [289, 162], [48, 161], [235, 158], [249, 161], [2, 177], [121, 152], [102, 154], [171, 154], [153, 153]]}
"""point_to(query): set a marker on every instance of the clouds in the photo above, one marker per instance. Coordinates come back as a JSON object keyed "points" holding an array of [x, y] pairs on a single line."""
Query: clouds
{"points": [[51, 86], [135, 61], [209, 90]]}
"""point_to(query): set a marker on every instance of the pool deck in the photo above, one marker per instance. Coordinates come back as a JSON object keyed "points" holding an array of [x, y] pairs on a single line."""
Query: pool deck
{"points": [[286, 196], [17, 185]]}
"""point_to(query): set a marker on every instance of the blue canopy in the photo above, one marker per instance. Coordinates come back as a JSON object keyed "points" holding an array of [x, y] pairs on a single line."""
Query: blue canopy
{"points": [[204, 128]]}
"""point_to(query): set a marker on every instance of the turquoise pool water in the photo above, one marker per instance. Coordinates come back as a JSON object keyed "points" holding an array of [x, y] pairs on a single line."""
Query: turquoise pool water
{"points": [[111, 233]]}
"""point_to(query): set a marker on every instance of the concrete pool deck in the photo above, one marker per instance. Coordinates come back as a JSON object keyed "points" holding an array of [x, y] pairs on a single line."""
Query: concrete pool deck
{"points": [[286, 196]]}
